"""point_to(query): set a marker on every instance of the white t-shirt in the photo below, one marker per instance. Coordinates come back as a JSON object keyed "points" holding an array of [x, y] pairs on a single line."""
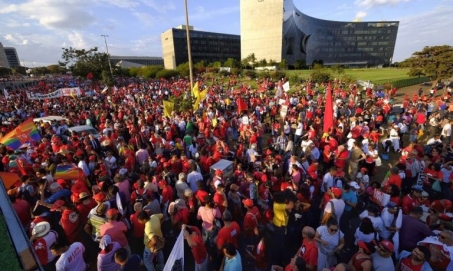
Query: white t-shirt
{"points": [[338, 205], [299, 129], [72, 259], [446, 130]]}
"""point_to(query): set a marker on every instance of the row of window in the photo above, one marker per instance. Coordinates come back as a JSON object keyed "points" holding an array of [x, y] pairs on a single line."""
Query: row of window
{"points": [[354, 38], [354, 54]]}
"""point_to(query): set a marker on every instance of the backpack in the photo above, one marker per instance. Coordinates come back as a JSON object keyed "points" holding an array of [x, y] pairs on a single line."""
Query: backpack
{"points": [[142, 198]]}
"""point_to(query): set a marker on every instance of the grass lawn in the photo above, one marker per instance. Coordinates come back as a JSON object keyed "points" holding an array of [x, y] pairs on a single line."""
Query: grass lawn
{"points": [[8, 256], [363, 74]]}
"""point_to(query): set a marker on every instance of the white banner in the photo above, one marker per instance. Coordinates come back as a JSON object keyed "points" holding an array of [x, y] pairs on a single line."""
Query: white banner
{"points": [[70, 91], [5, 92], [286, 86], [176, 258], [41, 96], [283, 111]]}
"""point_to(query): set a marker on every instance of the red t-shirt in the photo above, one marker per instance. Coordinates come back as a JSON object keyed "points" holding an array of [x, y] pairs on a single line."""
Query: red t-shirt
{"points": [[167, 194], [199, 250], [409, 203], [200, 195], [70, 221], [406, 265], [182, 216], [138, 229], [228, 235], [219, 200], [395, 179], [309, 252], [251, 220], [22, 208]]}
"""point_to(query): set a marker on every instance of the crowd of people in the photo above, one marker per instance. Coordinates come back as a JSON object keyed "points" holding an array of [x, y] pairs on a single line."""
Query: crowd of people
{"points": [[300, 197]]}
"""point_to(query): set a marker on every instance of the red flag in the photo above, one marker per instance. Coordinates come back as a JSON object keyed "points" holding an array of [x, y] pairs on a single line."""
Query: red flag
{"points": [[89, 75], [242, 106], [328, 114]]}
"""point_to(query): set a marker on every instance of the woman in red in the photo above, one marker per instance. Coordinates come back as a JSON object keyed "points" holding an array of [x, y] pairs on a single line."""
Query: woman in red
{"points": [[361, 261]]}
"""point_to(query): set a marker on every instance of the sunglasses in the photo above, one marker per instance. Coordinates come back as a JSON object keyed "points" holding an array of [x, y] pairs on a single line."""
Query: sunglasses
{"points": [[333, 230]]}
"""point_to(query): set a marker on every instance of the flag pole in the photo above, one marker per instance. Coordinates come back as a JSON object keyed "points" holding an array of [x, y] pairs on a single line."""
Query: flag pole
{"points": [[189, 51]]}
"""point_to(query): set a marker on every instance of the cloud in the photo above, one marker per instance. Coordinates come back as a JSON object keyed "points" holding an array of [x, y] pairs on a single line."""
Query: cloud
{"points": [[360, 15], [146, 18], [414, 32], [376, 3], [56, 14], [160, 6]]}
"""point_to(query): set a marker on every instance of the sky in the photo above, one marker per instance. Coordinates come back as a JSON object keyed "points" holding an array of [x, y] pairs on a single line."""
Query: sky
{"points": [[38, 29]]}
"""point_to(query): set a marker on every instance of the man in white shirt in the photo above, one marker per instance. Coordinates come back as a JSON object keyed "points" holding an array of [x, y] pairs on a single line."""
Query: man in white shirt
{"points": [[71, 258], [446, 132], [298, 133]]}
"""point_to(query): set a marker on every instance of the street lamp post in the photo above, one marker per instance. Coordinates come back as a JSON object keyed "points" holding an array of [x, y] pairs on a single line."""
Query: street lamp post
{"points": [[189, 51], [108, 55]]}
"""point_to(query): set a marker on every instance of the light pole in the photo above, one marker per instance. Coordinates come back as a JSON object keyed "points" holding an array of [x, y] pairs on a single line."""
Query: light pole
{"points": [[108, 55], [189, 51]]}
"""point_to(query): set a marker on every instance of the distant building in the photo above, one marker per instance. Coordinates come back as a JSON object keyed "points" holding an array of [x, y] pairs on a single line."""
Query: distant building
{"points": [[11, 55], [205, 46], [280, 31], [138, 60], [3, 58]]}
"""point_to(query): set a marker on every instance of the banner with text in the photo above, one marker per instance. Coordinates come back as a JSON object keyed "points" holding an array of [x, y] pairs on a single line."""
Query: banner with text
{"points": [[70, 91], [43, 96]]}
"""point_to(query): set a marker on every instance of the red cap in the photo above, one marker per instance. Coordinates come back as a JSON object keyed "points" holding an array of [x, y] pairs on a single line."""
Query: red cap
{"points": [[336, 191], [268, 152], [247, 202], [364, 169], [387, 245], [218, 172], [112, 212], [92, 158], [166, 164], [163, 160], [100, 196], [447, 204], [57, 204], [162, 183]]}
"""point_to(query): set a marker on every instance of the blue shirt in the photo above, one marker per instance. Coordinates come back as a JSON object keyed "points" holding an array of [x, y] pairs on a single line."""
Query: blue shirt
{"points": [[62, 193], [350, 196], [233, 264]]}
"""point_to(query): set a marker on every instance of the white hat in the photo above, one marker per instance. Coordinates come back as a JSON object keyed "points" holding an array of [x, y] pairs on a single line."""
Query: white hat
{"points": [[216, 183], [181, 176], [354, 185], [41, 229]]}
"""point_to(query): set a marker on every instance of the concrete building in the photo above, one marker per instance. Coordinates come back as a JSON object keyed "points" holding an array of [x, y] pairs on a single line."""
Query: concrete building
{"points": [[3, 59], [13, 58], [276, 29], [205, 46], [138, 60]]}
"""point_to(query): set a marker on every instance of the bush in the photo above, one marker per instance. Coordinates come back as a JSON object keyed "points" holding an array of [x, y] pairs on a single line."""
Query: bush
{"points": [[224, 73], [249, 73], [320, 76], [167, 74], [212, 70], [235, 71], [277, 75]]}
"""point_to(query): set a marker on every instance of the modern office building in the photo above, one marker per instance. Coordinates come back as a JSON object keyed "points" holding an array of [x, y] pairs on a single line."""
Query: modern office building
{"points": [[139, 60], [3, 59], [276, 29], [205, 46], [11, 55]]}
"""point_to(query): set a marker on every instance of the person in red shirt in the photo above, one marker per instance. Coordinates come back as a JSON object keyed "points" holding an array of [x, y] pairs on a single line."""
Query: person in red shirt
{"points": [[309, 249], [220, 198], [442, 205], [138, 230], [394, 178], [195, 241], [167, 194], [70, 220], [229, 232], [251, 218], [341, 156], [412, 200], [84, 206], [417, 260], [42, 238], [180, 214], [22, 209]]}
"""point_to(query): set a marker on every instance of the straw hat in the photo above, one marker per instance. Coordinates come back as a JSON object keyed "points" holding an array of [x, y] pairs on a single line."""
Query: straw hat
{"points": [[41, 229]]}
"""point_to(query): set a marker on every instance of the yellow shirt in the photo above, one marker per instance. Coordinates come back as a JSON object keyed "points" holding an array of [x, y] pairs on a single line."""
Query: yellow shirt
{"points": [[280, 216], [152, 227]]}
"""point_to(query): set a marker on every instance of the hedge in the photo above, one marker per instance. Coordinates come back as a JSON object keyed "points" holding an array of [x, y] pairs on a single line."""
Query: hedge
{"points": [[400, 83]]}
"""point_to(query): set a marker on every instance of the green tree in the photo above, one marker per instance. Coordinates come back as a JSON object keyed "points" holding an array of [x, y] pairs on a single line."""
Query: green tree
{"points": [[231, 63], [272, 62], [107, 79], [320, 75], [81, 62], [200, 67], [250, 60], [167, 74], [283, 65], [262, 63], [434, 61], [183, 69], [20, 69], [4, 71]]}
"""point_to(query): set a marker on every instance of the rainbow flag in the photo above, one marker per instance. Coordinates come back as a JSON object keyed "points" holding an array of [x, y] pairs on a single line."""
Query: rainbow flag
{"points": [[67, 172], [26, 132]]}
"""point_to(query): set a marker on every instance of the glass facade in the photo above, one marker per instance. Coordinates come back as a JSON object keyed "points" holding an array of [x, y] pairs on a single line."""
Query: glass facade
{"points": [[343, 43], [11, 55], [205, 46], [142, 60]]}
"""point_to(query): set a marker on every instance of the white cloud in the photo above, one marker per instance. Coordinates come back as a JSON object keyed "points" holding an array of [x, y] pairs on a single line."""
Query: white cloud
{"points": [[25, 42], [376, 3], [360, 15], [415, 33], [56, 14], [146, 18], [160, 6]]}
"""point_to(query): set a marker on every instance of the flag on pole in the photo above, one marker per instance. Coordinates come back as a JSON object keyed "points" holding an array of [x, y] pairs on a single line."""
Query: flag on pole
{"points": [[286, 86], [328, 112], [195, 90], [5, 92], [242, 105], [168, 108], [201, 96], [176, 259], [26, 132]]}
